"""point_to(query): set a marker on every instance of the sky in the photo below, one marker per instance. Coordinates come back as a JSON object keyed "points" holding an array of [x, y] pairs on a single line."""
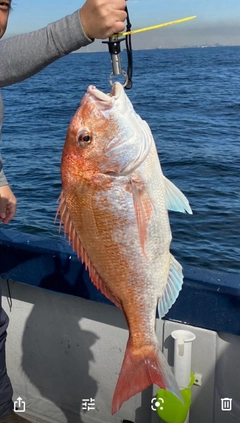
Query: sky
{"points": [[217, 22]]}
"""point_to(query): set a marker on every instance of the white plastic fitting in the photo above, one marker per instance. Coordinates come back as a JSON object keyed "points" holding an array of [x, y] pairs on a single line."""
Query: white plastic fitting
{"points": [[182, 356]]}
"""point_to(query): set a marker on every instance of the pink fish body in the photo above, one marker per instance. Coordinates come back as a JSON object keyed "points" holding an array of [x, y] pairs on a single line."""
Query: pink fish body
{"points": [[114, 205]]}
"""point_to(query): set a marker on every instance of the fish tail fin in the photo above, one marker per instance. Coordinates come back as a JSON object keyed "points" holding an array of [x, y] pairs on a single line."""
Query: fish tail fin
{"points": [[140, 369]]}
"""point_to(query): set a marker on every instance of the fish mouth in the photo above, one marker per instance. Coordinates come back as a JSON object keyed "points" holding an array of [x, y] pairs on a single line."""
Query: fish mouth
{"points": [[105, 101]]}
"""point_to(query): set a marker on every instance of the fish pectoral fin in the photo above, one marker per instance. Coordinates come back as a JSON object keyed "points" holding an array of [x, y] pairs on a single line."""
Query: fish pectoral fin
{"points": [[143, 208], [173, 287], [74, 239], [175, 199]]}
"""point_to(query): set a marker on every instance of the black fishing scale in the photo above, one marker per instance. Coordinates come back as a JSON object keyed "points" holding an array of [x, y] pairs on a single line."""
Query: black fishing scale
{"points": [[114, 46]]}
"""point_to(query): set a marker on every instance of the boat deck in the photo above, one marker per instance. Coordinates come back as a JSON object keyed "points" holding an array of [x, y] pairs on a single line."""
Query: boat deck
{"points": [[66, 341]]}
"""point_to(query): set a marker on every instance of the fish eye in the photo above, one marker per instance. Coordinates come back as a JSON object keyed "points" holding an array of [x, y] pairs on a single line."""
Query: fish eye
{"points": [[84, 138]]}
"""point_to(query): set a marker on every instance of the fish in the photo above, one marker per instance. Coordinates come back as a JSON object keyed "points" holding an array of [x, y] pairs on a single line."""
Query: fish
{"points": [[114, 207]]}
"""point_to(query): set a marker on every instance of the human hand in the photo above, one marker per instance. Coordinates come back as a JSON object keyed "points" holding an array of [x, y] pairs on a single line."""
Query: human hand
{"points": [[103, 18], [8, 204]]}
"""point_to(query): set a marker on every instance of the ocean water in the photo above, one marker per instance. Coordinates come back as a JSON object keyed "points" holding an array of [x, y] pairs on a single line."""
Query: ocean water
{"points": [[191, 100]]}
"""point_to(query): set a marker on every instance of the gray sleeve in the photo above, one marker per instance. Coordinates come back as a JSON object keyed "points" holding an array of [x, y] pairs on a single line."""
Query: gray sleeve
{"points": [[3, 180], [24, 55]]}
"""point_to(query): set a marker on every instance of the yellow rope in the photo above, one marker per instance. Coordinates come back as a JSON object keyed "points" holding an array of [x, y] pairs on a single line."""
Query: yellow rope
{"points": [[149, 28]]}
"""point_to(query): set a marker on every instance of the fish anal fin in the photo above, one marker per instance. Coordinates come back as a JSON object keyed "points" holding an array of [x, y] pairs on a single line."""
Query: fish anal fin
{"points": [[141, 368], [175, 199], [143, 208], [173, 287], [74, 239]]}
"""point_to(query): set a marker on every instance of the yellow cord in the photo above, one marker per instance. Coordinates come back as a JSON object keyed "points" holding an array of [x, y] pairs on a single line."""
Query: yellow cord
{"points": [[149, 28]]}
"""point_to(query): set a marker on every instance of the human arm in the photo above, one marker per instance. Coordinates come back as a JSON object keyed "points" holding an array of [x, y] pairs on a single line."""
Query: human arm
{"points": [[103, 18], [24, 55], [8, 204]]}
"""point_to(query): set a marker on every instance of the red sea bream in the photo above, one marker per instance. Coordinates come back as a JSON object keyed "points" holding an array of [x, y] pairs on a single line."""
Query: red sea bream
{"points": [[114, 205]]}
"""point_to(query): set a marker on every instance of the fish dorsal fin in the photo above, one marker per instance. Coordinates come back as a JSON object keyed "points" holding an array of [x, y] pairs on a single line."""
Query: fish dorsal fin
{"points": [[74, 239], [173, 287], [143, 208], [175, 199]]}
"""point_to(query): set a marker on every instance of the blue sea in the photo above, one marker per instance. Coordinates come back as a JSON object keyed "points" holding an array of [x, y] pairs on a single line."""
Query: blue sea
{"points": [[191, 100]]}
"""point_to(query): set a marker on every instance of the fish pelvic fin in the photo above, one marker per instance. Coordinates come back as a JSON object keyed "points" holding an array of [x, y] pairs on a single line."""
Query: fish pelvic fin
{"points": [[175, 199], [74, 239], [140, 369], [143, 208], [173, 287]]}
